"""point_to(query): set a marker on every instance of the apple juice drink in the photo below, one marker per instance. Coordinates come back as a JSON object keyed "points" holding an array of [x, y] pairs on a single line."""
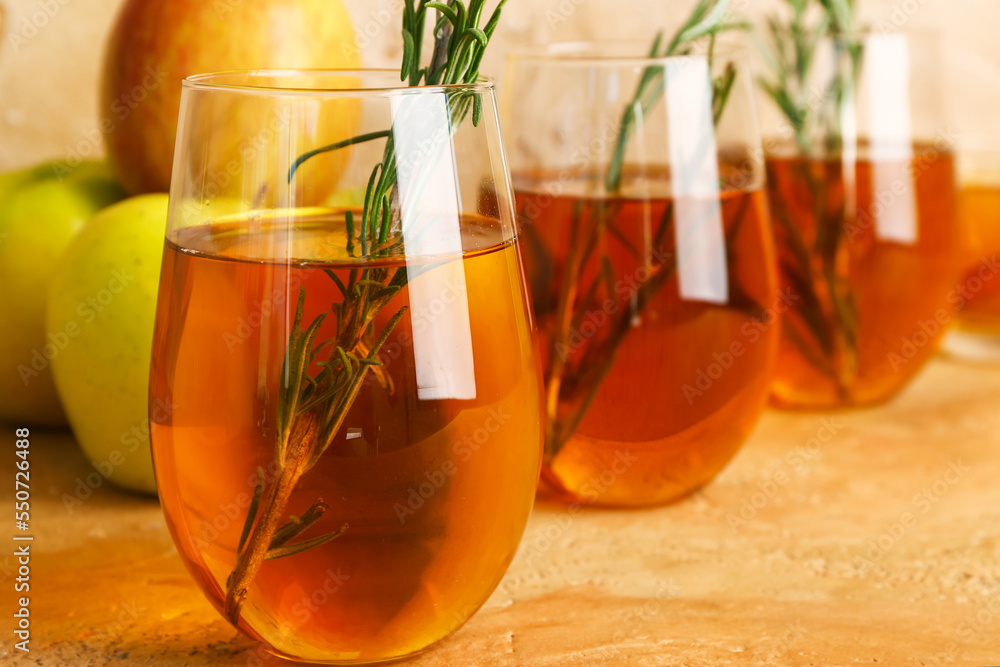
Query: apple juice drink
{"points": [[877, 299], [646, 386], [414, 475]]}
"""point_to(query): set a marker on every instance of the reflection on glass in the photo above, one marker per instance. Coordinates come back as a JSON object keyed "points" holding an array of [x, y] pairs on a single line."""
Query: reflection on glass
{"points": [[649, 255], [698, 232], [891, 144], [430, 206]]}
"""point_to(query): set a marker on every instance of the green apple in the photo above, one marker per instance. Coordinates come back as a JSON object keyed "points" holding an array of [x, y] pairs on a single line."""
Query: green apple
{"points": [[102, 302], [11, 181], [39, 215], [80, 173]]}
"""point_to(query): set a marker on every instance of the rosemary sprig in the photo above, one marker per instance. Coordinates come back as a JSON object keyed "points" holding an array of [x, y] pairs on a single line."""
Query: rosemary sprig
{"points": [[320, 380], [829, 310], [790, 55], [708, 20], [577, 383]]}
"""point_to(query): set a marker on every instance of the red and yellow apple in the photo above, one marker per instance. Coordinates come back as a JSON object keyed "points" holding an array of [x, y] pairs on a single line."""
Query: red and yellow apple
{"points": [[155, 44]]}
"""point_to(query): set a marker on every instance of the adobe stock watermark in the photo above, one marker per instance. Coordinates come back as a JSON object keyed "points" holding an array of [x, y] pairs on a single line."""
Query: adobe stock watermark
{"points": [[542, 539], [304, 608], [234, 513], [899, 15], [794, 463], [581, 161], [215, 181], [8, 568], [87, 310], [34, 22], [625, 288], [752, 332], [904, 186], [987, 614], [113, 631], [422, 314], [634, 618], [947, 655], [366, 32], [792, 633], [563, 12], [817, 97], [135, 440], [89, 146], [928, 330], [463, 450], [927, 333], [262, 311], [922, 503], [224, 8]]}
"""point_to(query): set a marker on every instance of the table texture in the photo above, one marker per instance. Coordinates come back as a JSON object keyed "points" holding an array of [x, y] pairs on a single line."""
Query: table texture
{"points": [[860, 537]]}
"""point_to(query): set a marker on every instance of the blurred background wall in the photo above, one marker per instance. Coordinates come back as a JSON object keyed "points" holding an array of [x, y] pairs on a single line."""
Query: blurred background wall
{"points": [[48, 81]]}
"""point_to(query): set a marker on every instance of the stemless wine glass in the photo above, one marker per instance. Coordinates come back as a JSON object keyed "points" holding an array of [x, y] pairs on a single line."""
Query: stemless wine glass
{"points": [[861, 181], [977, 336], [344, 342], [650, 260]]}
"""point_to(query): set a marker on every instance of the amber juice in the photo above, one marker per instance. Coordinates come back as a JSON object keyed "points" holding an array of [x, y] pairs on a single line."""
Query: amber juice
{"points": [[979, 214], [648, 394], [435, 490], [869, 251]]}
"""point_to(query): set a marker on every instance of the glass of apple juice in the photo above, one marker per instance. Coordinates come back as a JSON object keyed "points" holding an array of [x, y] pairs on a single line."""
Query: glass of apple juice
{"points": [[976, 337], [861, 183], [344, 338], [650, 260]]}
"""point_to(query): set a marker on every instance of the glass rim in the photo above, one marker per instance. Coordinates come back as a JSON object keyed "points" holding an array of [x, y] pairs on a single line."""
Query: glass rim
{"points": [[583, 52], [923, 33], [978, 143], [220, 81]]}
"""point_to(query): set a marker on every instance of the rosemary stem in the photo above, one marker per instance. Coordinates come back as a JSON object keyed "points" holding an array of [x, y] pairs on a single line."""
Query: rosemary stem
{"points": [[564, 317], [272, 508]]}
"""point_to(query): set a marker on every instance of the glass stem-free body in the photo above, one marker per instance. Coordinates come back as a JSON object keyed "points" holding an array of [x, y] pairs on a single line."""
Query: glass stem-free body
{"points": [[648, 393], [868, 251], [410, 481]]}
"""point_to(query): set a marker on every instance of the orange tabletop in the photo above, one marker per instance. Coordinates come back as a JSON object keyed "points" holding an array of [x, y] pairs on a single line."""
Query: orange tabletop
{"points": [[861, 537]]}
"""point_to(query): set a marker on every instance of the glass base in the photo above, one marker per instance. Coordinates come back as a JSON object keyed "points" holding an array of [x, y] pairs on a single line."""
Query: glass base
{"points": [[796, 398], [972, 346], [291, 659], [806, 404], [552, 489]]}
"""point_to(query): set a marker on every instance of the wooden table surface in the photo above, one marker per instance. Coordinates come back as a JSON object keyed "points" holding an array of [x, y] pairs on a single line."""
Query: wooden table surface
{"points": [[881, 546]]}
